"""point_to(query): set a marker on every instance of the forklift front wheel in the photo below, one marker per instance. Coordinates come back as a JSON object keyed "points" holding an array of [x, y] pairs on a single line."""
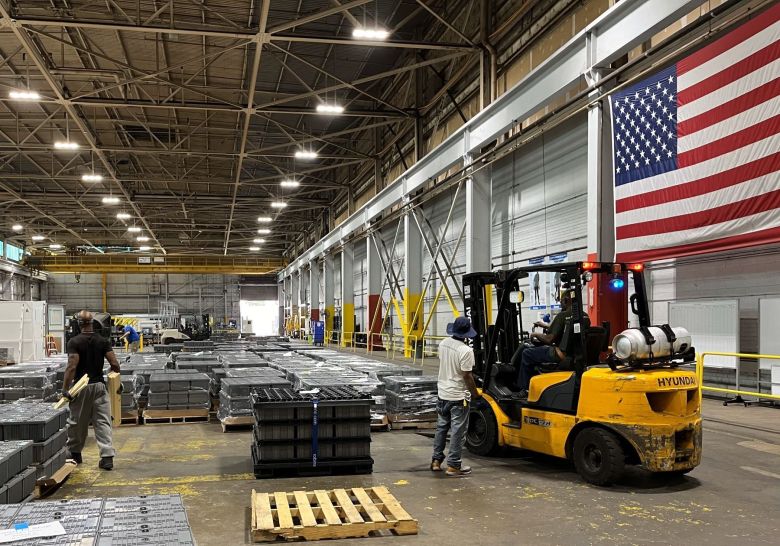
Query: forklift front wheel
{"points": [[482, 433], [598, 456]]}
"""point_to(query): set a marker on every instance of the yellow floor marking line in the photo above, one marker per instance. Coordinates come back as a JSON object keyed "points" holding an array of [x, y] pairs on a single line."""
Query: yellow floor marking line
{"points": [[764, 447], [761, 472], [173, 480], [132, 445]]}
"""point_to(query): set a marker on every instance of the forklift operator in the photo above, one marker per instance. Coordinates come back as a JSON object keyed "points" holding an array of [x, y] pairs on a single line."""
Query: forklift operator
{"points": [[548, 351]]}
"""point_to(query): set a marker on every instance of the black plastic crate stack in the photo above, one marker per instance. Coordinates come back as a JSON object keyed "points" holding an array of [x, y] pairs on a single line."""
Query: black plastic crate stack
{"points": [[44, 427], [16, 475], [299, 433], [197, 346], [32, 383], [236, 391], [179, 389], [154, 520], [129, 402], [198, 362], [169, 348], [138, 370], [411, 397]]}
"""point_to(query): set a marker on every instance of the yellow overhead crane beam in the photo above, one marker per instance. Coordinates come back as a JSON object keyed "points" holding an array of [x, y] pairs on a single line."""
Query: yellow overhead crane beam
{"points": [[171, 263]]}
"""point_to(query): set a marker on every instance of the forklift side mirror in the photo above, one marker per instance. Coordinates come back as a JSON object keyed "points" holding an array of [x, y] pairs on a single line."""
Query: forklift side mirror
{"points": [[516, 297]]}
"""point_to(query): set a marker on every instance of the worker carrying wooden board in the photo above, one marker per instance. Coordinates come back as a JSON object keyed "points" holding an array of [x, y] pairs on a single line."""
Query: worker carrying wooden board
{"points": [[86, 353]]}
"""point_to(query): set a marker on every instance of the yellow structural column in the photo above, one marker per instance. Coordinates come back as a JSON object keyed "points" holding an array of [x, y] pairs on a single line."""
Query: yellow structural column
{"points": [[414, 314], [328, 296], [347, 295]]}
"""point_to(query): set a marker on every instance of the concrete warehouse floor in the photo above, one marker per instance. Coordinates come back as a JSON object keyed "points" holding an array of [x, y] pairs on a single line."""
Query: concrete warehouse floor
{"points": [[525, 499]]}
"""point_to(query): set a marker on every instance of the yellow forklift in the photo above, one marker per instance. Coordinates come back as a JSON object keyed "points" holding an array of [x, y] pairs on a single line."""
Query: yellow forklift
{"points": [[602, 407]]}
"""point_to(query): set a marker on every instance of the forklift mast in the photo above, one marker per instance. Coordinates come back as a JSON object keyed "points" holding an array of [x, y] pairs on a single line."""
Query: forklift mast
{"points": [[503, 336]]}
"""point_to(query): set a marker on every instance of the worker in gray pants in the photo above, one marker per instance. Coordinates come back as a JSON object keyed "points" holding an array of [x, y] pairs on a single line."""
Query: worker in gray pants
{"points": [[86, 352]]}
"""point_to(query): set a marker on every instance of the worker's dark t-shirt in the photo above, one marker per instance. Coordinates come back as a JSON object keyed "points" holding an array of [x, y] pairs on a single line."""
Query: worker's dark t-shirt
{"points": [[92, 349], [557, 326]]}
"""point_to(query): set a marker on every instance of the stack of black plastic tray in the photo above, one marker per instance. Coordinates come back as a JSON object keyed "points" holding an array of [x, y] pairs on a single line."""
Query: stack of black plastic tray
{"points": [[327, 431], [179, 389], [236, 390], [16, 476], [44, 428], [412, 397]]}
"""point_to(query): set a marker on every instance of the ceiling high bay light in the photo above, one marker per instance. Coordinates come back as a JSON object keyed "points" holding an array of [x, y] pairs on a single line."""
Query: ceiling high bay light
{"points": [[332, 109], [362, 33]]}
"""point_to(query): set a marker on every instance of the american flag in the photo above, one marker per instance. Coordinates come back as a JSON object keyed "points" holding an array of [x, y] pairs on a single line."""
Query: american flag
{"points": [[696, 149]]}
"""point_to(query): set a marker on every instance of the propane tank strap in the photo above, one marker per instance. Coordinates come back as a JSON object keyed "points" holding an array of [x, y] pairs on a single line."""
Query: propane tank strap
{"points": [[670, 336]]}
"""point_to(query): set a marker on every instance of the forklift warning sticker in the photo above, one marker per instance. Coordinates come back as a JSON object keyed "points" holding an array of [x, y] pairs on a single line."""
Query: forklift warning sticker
{"points": [[536, 421]]}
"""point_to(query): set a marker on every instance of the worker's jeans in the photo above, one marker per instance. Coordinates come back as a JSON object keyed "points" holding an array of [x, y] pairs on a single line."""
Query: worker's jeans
{"points": [[530, 359], [453, 417], [133, 346], [91, 406]]}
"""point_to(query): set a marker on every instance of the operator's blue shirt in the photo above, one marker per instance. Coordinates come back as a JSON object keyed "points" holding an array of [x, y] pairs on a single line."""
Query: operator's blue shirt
{"points": [[133, 334]]}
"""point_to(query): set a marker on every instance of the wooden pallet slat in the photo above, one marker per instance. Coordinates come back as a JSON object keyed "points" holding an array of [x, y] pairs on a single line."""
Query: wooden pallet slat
{"points": [[407, 525], [345, 501], [283, 510], [262, 517], [368, 505], [305, 513], [320, 514], [328, 510]]}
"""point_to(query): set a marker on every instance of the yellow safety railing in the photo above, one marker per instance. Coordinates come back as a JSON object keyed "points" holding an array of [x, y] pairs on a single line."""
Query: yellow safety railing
{"points": [[737, 390], [430, 349]]}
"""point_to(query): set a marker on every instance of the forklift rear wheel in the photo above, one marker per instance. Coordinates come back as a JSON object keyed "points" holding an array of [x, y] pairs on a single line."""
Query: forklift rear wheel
{"points": [[482, 433], [598, 456]]}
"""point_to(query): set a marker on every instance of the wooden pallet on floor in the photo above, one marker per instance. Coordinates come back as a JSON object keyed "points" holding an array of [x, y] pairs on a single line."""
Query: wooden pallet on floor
{"points": [[46, 486], [403, 423], [129, 418], [380, 423], [320, 514], [238, 422], [161, 416]]}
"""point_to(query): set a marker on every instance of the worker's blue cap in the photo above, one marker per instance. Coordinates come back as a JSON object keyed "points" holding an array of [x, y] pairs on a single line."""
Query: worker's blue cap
{"points": [[461, 328]]}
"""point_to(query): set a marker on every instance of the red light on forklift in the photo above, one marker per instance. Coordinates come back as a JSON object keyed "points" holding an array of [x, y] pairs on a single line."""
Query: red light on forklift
{"points": [[636, 267], [587, 266]]}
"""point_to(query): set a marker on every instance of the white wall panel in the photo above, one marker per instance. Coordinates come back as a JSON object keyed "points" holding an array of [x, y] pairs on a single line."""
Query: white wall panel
{"points": [[217, 295], [744, 275], [540, 196]]}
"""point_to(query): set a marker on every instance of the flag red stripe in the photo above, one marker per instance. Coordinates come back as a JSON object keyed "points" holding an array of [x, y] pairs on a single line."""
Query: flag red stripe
{"points": [[733, 38], [709, 217], [730, 109], [725, 179], [729, 74], [766, 236], [731, 142]]}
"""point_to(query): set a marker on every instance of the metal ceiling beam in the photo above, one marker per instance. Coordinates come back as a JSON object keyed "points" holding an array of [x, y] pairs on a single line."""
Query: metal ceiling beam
{"points": [[318, 15], [621, 28], [174, 263], [365, 79], [40, 63], [95, 25], [367, 43], [446, 23], [264, 7]]}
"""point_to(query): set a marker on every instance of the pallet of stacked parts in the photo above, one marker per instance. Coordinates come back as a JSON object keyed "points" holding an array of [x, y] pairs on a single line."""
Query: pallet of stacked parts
{"points": [[311, 433]]}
